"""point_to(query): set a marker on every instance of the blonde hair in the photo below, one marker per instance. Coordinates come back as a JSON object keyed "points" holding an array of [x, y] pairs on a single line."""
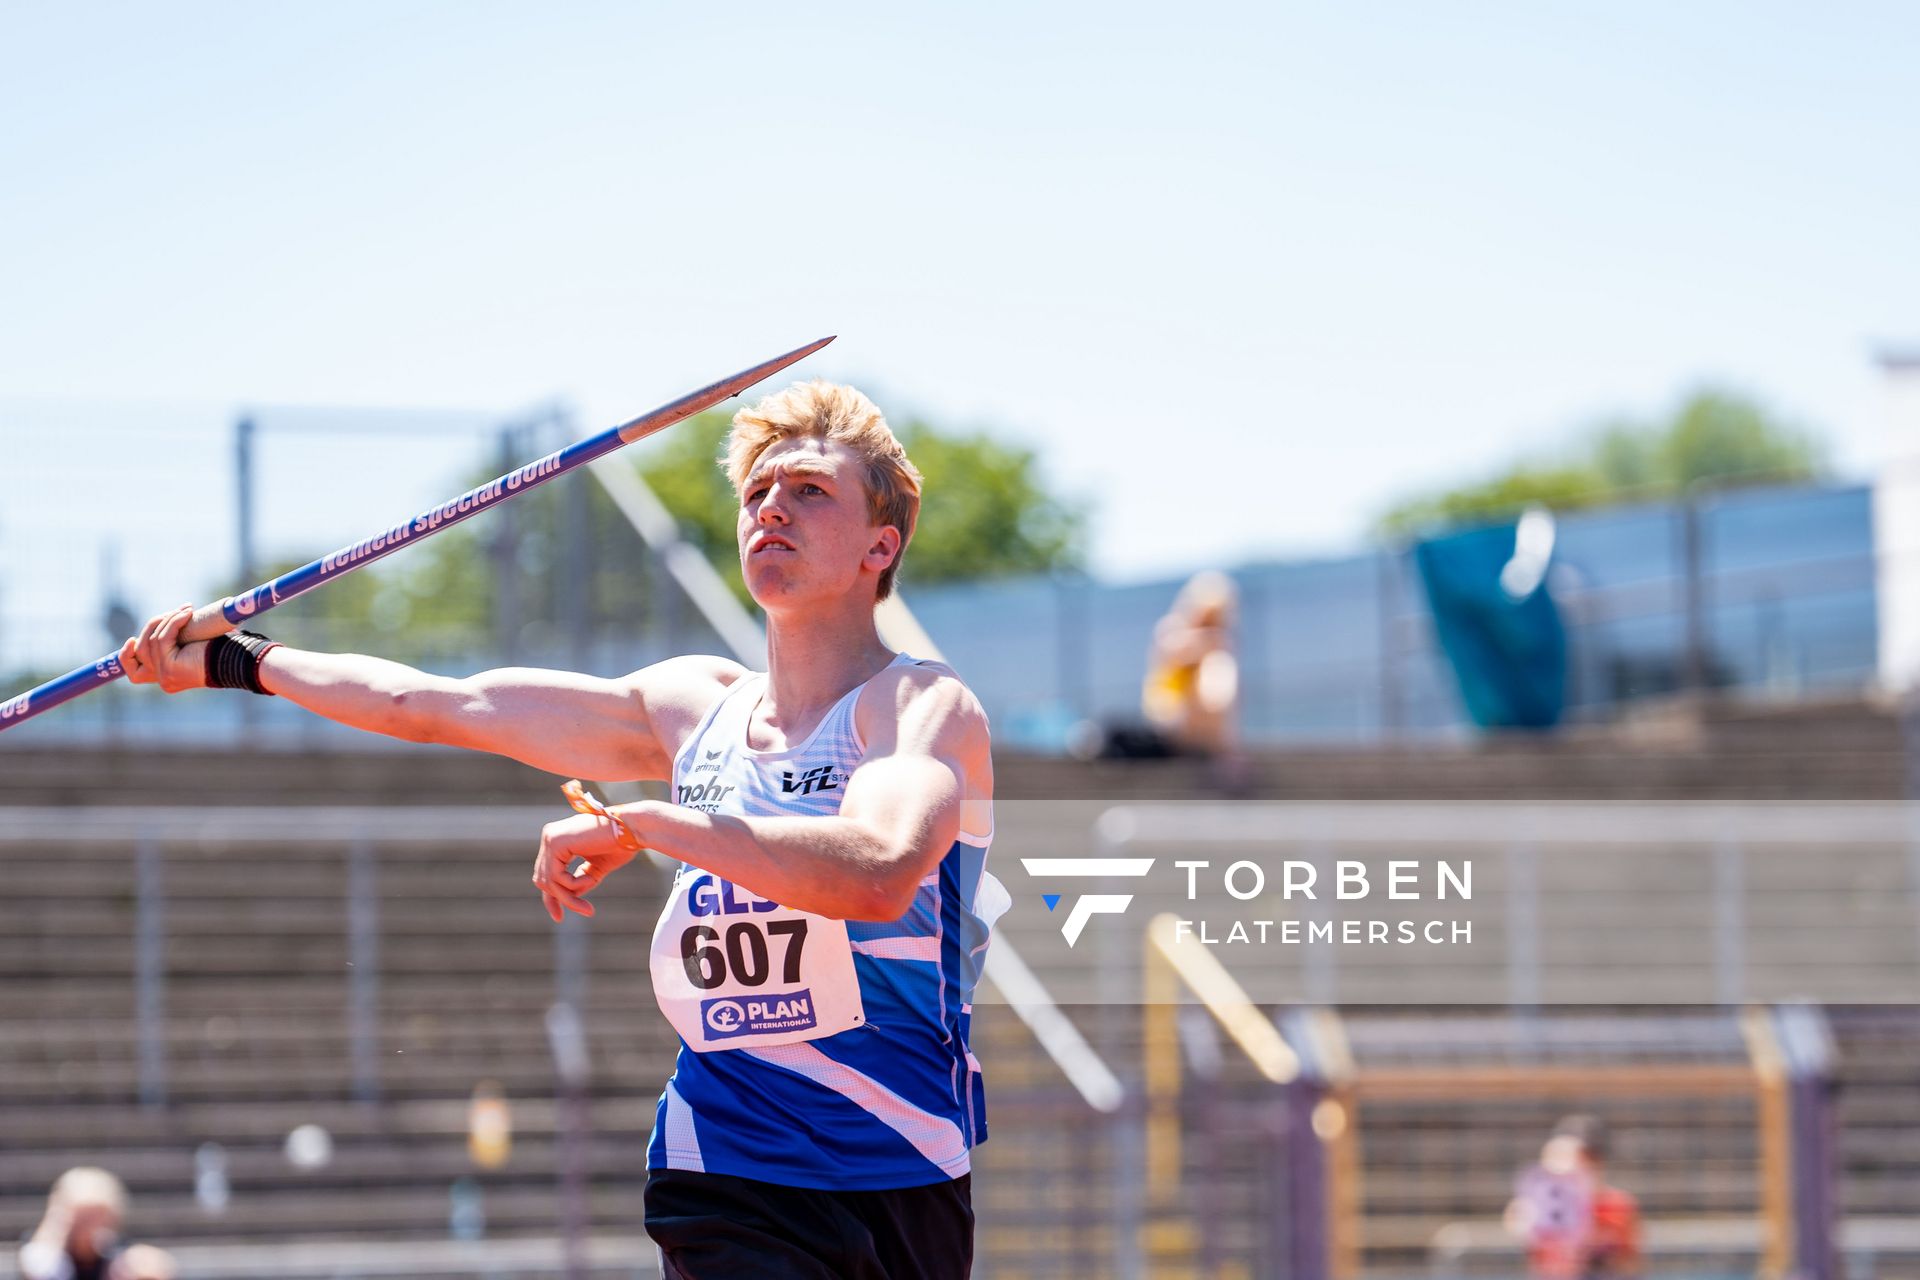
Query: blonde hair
{"points": [[86, 1185], [824, 410]]}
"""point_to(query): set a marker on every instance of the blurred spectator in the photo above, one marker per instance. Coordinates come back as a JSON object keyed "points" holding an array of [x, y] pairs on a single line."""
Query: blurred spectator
{"points": [[79, 1238], [1577, 1226], [1192, 690]]}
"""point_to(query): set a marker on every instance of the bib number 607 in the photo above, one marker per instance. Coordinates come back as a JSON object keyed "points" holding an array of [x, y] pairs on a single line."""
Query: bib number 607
{"points": [[742, 954]]}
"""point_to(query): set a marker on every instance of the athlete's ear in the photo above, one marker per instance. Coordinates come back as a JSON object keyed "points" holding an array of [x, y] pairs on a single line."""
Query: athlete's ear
{"points": [[884, 550]]}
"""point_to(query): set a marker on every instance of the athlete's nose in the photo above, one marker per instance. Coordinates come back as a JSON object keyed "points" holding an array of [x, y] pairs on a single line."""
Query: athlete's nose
{"points": [[773, 507]]}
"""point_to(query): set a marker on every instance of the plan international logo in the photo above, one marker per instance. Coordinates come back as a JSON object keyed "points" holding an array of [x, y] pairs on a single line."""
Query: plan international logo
{"points": [[1088, 905]]}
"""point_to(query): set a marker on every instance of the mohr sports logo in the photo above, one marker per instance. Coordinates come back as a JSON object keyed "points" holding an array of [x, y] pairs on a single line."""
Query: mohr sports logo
{"points": [[819, 778], [704, 796], [1087, 905]]}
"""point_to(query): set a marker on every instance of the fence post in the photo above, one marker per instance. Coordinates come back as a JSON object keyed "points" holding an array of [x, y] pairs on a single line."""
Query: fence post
{"points": [[505, 551], [576, 584], [1129, 1122], [1523, 929], [244, 431], [1729, 921], [570, 939], [1807, 1045], [568, 1040], [1073, 650], [1320, 975], [363, 985], [1695, 675], [150, 969], [1306, 1248], [1392, 699]]}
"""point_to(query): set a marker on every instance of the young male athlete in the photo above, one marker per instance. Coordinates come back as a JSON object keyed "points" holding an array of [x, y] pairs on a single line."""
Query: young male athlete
{"points": [[820, 946]]}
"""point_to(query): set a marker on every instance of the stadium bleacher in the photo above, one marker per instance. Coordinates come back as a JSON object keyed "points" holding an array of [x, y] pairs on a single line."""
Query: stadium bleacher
{"points": [[259, 989]]}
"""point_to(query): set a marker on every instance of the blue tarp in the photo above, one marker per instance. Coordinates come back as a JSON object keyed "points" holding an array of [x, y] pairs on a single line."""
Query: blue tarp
{"points": [[1508, 652]]}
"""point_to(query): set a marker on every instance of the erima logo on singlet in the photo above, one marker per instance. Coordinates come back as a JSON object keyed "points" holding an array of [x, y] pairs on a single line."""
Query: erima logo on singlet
{"points": [[819, 778], [711, 764]]}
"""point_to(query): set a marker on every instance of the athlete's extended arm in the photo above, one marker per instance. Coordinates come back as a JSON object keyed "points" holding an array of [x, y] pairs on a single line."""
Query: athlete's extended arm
{"points": [[925, 735], [559, 721]]}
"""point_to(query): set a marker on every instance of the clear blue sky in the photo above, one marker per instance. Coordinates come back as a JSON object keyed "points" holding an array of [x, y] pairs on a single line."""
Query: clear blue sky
{"points": [[1244, 273]]}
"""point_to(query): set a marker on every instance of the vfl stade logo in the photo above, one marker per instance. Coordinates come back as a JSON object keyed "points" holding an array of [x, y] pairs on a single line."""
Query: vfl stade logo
{"points": [[822, 777], [1091, 904]]}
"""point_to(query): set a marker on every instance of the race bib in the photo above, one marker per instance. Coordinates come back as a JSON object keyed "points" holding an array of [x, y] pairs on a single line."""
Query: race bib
{"points": [[732, 971]]}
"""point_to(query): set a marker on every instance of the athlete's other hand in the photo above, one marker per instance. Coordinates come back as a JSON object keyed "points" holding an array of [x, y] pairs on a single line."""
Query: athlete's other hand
{"points": [[156, 656], [563, 886]]}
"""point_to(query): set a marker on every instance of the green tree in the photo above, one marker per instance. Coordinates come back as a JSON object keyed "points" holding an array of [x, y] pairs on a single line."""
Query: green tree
{"points": [[1714, 436], [986, 512]]}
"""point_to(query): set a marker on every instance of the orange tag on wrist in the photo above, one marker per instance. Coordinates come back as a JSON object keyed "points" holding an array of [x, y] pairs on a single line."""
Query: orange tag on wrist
{"points": [[584, 801]]}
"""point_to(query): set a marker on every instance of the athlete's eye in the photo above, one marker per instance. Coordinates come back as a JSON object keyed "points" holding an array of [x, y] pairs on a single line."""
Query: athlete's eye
{"points": [[813, 487], [757, 494]]}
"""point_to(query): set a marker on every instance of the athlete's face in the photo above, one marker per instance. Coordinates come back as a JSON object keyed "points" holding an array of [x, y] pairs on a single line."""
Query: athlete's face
{"points": [[804, 530]]}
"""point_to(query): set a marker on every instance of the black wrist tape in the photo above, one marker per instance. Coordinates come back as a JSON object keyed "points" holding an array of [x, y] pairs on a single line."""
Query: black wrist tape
{"points": [[233, 661]]}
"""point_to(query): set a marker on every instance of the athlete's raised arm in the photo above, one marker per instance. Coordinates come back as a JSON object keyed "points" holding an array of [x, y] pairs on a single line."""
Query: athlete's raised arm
{"points": [[905, 804], [563, 722]]}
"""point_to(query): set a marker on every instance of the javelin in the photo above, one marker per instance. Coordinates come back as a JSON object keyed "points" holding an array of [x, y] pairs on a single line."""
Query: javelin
{"points": [[210, 620]]}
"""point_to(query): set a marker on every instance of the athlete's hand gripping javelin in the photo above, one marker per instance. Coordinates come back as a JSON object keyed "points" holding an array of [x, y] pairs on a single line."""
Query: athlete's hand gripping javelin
{"points": [[156, 655]]}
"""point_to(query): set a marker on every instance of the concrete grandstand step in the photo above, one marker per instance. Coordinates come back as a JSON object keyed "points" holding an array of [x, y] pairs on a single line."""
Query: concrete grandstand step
{"points": [[396, 774], [530, 1257], [617, 1107], [361, 1210]]}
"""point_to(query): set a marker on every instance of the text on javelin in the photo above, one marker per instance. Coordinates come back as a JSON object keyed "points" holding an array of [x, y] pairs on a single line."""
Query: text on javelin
{"points": [[463, 505]]}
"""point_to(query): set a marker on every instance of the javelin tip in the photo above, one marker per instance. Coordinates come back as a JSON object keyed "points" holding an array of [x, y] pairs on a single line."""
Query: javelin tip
{"points": [[707, 397]]}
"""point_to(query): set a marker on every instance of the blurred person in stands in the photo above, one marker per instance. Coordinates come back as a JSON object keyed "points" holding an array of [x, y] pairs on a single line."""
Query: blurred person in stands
{"points": [[1192, 691], [79, 1237], [1576, 1225]]}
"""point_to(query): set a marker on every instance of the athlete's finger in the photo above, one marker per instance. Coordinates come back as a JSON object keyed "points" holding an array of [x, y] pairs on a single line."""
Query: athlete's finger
{"points": [[144, 646], [558, 887], [167, 642], [567, 899], [170, 630], [590, 875]]}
